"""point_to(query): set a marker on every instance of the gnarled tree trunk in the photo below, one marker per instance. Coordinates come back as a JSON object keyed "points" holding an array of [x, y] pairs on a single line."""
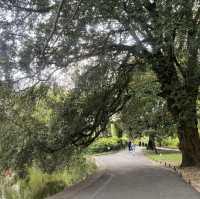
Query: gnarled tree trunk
{"points": [[189, 145], [187, 129], [181, 97]]}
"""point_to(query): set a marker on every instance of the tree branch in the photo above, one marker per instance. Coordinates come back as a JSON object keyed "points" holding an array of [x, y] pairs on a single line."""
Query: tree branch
{"points": [[54, 27], [28, 9]]}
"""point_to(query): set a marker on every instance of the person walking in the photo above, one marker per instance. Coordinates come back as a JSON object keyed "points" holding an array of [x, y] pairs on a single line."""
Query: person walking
{"points": [[130, 145]]}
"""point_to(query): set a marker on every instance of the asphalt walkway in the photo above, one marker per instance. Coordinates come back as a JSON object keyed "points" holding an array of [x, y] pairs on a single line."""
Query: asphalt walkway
{"points": [[132, 176]]}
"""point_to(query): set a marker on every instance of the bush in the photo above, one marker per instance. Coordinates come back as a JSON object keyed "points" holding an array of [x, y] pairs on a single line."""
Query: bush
{"points": [[48, 189], [140, 140], [40, 185], [170, 142], [106, 144]]}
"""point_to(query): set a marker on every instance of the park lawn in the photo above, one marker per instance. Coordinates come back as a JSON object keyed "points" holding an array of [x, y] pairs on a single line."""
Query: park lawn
{"points": [[170, 157]]}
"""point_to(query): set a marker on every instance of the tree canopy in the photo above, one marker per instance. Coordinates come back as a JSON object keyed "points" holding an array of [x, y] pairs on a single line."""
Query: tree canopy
{"points": [[107, 39], [146, 111]]}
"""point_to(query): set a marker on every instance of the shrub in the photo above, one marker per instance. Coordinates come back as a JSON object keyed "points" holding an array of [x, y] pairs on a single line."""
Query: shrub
{"points": [[39, 185], [48, 189], [170, 142], [106, 144]]}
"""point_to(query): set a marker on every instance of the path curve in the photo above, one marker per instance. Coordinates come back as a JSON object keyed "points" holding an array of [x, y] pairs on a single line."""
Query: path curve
{"points": [[132, 176]]}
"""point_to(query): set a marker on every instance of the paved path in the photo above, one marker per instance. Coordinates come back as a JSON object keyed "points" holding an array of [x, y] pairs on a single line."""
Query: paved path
{"points": [[131, 176]]}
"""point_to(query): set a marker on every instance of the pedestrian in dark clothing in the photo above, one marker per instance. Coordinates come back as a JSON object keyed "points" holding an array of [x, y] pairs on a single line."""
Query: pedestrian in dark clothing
{"points": [[129, 145]]}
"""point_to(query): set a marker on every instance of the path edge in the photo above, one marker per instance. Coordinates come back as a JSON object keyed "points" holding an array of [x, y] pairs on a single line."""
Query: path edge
{"points": [[73, 190]]}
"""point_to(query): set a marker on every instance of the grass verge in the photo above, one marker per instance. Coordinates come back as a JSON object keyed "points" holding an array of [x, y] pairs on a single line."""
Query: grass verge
{"points": [[170, 157]]}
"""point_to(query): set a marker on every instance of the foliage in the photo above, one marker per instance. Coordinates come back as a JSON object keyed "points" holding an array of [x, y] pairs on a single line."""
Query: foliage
{"points": [[146, 113], [113, 129], [44, 125], [40, 185], [116, 130], [105, 144], [140, 140], [171, 142], [26, 125], [105, 39]]}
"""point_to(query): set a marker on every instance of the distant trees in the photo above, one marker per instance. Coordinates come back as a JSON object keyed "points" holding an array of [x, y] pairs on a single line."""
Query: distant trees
{"points": [[146, 113]]}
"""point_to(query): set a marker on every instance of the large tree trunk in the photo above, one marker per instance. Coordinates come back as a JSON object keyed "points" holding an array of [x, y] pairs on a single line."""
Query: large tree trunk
{"points": [[151, 144], [189, 145], [187, 129], [181, 99], [187, 126]]}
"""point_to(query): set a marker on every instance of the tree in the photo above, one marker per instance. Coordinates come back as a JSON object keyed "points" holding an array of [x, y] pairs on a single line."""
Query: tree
{"points": [[109, 33], [45, 125], [146, 113], [25, 124]]}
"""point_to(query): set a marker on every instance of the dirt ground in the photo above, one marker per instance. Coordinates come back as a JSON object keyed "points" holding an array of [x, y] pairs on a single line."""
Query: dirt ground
{"points": [[192, 175]]}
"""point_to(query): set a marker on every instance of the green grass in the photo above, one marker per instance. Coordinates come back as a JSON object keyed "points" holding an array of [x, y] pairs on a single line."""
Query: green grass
{"points": [[169, 157]]}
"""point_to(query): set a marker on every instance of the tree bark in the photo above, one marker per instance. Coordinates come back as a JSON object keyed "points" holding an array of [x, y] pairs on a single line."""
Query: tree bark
{"points": [[187, 126], [187, 129], [189, 146], [151, 144], [181, 99]]}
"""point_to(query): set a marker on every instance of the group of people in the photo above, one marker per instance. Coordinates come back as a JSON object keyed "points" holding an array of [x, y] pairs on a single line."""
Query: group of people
{"points": [[131, 146]]}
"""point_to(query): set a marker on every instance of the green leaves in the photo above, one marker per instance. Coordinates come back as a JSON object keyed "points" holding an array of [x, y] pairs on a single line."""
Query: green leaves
{"points": [[106, 41], [146, 112]]}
